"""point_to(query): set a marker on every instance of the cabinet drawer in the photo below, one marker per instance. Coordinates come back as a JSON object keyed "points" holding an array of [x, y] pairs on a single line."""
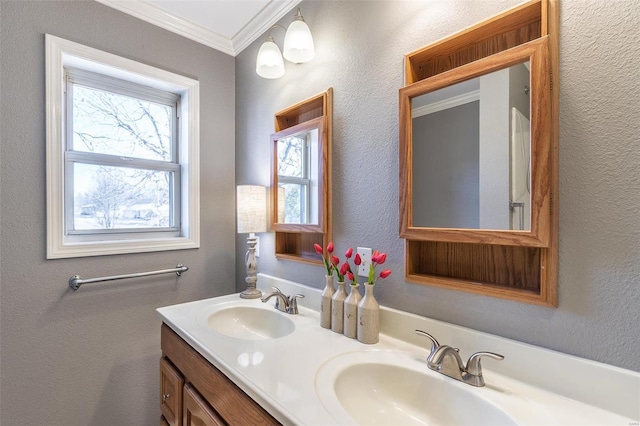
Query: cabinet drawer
{"points": [[171, 383], [196, 411]]}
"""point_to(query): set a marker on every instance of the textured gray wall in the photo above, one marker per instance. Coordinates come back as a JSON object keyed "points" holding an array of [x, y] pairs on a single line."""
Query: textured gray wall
{"points": [[359, 51], [91, 357]]}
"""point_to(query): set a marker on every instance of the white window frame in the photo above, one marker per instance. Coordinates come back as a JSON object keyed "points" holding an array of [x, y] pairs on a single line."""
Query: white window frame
{"points": [[62, 53]]}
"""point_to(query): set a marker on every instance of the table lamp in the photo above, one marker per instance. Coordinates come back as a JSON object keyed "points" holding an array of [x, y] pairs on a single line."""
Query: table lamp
{"points": [[252, 218]]}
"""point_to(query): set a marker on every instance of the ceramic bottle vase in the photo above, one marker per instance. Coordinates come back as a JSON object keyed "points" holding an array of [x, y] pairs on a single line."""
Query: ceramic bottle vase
{"points": [[351, 311], [368, 317], [337, 308], [325, 303]]}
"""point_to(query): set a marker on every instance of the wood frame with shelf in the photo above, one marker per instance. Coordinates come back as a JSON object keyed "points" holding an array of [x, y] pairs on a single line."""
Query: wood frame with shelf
{"points": [[296, 242], [507, 265]]}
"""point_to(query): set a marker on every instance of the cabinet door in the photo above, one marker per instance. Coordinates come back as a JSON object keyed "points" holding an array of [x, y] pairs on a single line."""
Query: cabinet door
{"points": [[196, 411], [171, 383]]}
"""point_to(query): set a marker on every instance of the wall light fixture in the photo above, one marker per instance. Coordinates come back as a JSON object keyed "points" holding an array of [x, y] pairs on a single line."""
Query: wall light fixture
{"points": [[298, 48]]}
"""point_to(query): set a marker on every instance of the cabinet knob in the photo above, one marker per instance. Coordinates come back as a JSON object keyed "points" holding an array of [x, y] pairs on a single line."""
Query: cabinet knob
{"points": [[165, 396]]}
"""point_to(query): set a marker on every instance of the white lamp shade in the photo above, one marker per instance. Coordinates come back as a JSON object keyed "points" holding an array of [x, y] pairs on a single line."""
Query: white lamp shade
{"points": [[269, 63], [298, 43], [252, 209]]}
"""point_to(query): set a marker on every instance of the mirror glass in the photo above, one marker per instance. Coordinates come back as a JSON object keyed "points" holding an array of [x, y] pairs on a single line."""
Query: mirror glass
{"points": [[298, 177], [471, 153], [297, 168]]}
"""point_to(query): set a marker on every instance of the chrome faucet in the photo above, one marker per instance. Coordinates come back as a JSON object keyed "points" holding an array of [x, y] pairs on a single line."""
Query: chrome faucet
{"points": [[283, 303], [446, 360]]}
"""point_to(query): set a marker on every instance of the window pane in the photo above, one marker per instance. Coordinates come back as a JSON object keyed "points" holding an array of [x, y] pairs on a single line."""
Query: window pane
{"points": [[109, 123], [295, 206], [291, 157], [121, 198]]}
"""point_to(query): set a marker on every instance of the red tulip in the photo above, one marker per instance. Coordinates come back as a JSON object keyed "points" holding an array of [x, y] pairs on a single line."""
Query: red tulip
{"points": [[350, 275], [318, 248], [330, 248], [344, 268], [374, 256], [357, 260], [381, 258], [385, 273], [335, 260], [349, 252]]}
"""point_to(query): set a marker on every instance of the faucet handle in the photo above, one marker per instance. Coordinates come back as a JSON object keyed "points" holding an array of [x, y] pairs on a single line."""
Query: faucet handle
{"points": [[293, 303], [434, 343], [473, 364]]}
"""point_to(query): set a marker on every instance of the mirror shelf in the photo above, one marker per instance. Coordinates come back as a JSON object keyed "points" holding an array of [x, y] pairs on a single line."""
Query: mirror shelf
{"points": [[516, 26], [507, 272]]}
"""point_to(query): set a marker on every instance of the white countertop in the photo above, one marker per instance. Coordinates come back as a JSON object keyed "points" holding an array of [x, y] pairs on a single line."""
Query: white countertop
{"points": [[280, 374]]}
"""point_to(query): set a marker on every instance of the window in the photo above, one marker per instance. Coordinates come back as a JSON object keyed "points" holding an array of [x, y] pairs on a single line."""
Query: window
{"points": [[122, 155]]}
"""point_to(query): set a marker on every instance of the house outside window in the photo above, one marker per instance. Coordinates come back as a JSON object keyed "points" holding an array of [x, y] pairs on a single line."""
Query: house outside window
{"points": [[122, 155]]}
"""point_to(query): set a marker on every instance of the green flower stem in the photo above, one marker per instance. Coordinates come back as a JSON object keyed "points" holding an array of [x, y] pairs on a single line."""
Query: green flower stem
{"points": [[328, 266]]}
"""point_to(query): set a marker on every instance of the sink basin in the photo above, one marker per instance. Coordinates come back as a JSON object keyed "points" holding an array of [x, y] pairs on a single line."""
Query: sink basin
{"points": [[387, 388], [250, 323]]}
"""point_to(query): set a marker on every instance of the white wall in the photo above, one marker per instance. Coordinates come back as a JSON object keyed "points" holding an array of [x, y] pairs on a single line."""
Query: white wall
{"points": [[494, 150], [91, 357], [359, 51]]}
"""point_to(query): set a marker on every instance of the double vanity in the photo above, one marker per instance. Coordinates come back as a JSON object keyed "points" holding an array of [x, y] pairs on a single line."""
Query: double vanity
{"points": [[242, 361]]}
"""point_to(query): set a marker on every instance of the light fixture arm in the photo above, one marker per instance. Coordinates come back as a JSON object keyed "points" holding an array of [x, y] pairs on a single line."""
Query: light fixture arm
{"points": [[298, 16], [298, 48], [269, 37]]}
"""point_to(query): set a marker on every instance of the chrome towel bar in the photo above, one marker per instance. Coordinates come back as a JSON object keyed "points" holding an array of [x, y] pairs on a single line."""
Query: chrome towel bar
{"points": [[75, 281]]}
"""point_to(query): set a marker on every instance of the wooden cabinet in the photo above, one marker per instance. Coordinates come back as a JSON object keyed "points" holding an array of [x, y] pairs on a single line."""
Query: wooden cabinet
{"points": [[206, 396]]}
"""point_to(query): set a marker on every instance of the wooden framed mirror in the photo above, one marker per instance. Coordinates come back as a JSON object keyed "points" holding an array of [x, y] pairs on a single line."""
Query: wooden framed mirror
{"points": [[489, 260], [475, 151], [301, 187], [298, 178]]}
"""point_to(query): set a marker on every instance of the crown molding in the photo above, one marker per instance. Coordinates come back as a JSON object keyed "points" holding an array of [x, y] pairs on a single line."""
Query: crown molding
{"points": [[262, 22], [155, 15], [446, 104]]}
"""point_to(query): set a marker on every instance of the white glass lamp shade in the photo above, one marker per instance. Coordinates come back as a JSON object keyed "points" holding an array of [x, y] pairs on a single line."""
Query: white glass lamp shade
{"points": [[251, 208], [298, 43], [269, 63]]}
